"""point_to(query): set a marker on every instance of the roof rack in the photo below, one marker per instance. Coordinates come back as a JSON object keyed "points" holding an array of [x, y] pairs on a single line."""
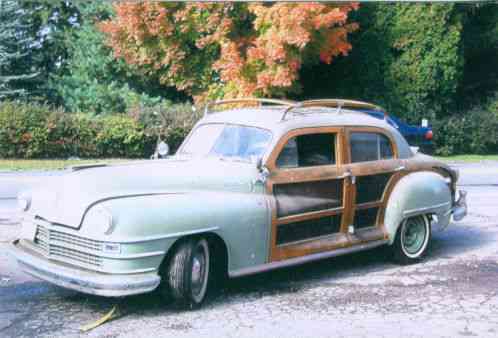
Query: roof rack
{"points": [[335, 103], [209, 105]]}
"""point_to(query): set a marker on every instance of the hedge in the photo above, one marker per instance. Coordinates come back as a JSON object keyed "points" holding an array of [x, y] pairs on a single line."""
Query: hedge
{"points": [[475, 132], [29, 130]]}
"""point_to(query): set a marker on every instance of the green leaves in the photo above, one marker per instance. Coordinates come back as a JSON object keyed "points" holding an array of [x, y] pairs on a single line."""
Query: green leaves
{"points": [[30, 130], [15, 71]]}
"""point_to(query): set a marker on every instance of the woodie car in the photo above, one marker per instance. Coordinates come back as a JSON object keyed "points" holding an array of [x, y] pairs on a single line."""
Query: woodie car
{"points": [[249, 190]]}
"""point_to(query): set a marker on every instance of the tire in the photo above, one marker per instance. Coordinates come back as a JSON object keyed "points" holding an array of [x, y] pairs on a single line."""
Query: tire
{"points": [[188, 273], [412, 240]]}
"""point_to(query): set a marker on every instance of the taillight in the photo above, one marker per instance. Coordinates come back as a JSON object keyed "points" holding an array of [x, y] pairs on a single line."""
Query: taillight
{"points": [[428, 135]]}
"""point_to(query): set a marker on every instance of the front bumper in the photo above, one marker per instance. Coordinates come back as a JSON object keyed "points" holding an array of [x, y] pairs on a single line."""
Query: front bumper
{"points": [[459, 208], [95, 283]]}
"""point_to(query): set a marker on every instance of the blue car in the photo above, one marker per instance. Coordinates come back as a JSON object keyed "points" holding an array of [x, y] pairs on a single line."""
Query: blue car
{"points": [[416, 136]]}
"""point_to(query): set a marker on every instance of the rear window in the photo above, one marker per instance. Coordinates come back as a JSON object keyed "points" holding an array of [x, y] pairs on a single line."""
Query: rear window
{"points": [[370, 147]]}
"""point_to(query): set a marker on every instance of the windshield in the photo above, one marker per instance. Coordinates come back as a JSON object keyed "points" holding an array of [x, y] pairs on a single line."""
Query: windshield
{"points": [[227, 140]]}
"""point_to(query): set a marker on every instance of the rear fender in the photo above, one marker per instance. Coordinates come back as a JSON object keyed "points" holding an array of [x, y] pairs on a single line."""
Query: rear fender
{"points": [[417, 194]]}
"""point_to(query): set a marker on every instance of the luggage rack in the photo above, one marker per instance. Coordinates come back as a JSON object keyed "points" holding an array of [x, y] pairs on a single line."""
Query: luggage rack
{"points": [[333, 103], [261, 102], [339, 104]]}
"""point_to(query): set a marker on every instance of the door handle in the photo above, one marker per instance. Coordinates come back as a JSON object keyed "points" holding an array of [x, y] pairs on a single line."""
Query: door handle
{"points": [[347, 174]]}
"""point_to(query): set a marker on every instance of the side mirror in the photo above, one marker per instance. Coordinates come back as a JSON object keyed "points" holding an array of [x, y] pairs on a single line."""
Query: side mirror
{"points": [[259, 163], [262, 170]]}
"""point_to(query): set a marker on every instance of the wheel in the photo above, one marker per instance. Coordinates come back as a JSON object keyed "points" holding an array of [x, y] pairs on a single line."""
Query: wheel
{"points": [[412, 239], [188, 272]]}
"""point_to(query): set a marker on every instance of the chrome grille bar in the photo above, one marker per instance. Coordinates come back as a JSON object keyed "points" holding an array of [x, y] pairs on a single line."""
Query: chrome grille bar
{"points": [[68, 248]]}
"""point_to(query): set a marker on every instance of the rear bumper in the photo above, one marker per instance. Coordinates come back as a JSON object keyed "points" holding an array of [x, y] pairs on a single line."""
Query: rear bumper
{"points": [[459, 208], [95, 283]]}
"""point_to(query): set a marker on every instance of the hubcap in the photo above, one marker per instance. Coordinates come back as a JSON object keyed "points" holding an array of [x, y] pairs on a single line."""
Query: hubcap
{"points": [[413, 235], [198, 271]]}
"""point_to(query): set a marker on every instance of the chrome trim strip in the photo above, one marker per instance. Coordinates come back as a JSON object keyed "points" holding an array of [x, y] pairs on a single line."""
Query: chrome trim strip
{"points": [[173, 235], [132, 256], [75, 232], [102, 254], [96, 268], [305, 259], [416, 211]]}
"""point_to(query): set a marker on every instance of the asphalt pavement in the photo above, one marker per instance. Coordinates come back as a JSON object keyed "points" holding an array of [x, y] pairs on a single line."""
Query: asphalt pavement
{"points": [[452, 293]]}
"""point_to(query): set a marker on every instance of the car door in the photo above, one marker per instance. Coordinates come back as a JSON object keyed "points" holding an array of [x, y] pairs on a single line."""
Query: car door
{"points": [[310, 192], [372, 160]]}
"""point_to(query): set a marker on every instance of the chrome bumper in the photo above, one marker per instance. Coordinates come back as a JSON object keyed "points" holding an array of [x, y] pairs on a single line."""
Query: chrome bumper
{"points": [[459, 208], [85, 281]]}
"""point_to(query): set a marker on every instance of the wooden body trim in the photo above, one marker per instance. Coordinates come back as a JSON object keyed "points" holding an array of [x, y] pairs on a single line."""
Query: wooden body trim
{"points": [[344, 169]]}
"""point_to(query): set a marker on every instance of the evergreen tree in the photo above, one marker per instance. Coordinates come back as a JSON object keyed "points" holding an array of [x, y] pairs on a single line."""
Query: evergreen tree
{"points": [[15, 45]]}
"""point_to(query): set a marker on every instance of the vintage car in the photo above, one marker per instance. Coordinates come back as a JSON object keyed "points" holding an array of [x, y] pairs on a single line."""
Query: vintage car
{"points": [[260, 185]]}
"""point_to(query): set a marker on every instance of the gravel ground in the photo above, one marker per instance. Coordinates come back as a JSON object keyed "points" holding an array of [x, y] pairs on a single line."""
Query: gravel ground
{"points": [[453, 293]]}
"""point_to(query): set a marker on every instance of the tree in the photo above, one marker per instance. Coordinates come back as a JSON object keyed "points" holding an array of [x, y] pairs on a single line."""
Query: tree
{"points": [[91, 79], [406, 57], [229, 49], [14, 48], [50, 21]]}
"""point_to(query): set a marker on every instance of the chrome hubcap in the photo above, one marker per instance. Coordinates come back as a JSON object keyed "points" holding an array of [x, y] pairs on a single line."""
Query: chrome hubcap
{"points": [[413, 235], [198, 271]]}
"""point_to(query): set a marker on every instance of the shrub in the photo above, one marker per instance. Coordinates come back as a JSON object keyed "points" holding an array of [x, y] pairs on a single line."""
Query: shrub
{"points": [[29, 130], [475, 132], [171, 121], [121, 136], [20, 125]]}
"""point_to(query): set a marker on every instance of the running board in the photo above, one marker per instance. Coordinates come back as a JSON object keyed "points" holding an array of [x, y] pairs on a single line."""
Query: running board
{"points": [[305, 259]]}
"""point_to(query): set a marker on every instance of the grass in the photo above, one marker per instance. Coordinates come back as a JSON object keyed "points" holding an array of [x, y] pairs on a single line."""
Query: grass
{"points": [[468, 158], [17, 165]]}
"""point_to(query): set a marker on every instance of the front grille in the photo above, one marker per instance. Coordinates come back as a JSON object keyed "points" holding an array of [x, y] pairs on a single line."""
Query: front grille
{"points": [[68, 248]]}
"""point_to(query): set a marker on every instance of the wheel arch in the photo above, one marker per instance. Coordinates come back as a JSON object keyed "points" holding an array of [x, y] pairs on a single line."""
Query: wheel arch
{"points": [[417, 193], [216, 243]]}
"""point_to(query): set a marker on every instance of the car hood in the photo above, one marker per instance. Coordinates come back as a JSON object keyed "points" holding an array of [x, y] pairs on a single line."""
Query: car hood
{"points": [[65, 199]]}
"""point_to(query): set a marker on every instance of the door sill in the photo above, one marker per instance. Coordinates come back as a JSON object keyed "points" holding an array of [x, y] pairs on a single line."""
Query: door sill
{"points": [[305, 259]]}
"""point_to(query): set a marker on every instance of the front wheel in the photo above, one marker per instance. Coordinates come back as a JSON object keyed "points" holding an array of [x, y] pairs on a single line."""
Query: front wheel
{"points": [[189, 272], [412, 239]]}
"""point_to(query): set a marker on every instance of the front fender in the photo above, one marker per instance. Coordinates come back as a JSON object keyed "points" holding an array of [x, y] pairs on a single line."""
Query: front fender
{"points": [[415, 194], [240, 219]]}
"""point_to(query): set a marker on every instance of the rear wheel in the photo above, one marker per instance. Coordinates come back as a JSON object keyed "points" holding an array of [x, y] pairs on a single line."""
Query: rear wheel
{"points": [[412, 239], [188, 272]]}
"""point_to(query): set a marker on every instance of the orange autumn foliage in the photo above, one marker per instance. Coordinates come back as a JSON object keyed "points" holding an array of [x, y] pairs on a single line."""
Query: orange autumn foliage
{"points": [[229, 49]]}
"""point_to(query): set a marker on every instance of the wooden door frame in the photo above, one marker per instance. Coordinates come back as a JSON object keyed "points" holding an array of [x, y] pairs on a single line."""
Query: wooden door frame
{"points": [[372, 168], [308, 174]]}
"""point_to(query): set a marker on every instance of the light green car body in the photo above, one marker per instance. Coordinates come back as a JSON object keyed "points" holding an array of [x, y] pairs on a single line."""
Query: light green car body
{"points": [[155, 204]]}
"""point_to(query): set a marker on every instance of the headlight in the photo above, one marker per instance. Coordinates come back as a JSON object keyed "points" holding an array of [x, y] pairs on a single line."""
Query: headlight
{"points": [[23, 201], [99, 217]]}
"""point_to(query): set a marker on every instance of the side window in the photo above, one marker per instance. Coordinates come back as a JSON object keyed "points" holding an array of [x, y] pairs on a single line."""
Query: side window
{"points": [[370, 147], [307, 151]]}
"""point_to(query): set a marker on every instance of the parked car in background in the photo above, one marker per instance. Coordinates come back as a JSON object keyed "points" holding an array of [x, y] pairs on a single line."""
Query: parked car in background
{"points": [[250, 189], [416, 136]]}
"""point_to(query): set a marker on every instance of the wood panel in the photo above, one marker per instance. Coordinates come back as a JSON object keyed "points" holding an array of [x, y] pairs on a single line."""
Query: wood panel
{"points": [[343, 166], [306, 174]]}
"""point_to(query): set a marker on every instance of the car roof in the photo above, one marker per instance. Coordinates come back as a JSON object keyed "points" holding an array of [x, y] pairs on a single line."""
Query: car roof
{"points": [[270, 118]]}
